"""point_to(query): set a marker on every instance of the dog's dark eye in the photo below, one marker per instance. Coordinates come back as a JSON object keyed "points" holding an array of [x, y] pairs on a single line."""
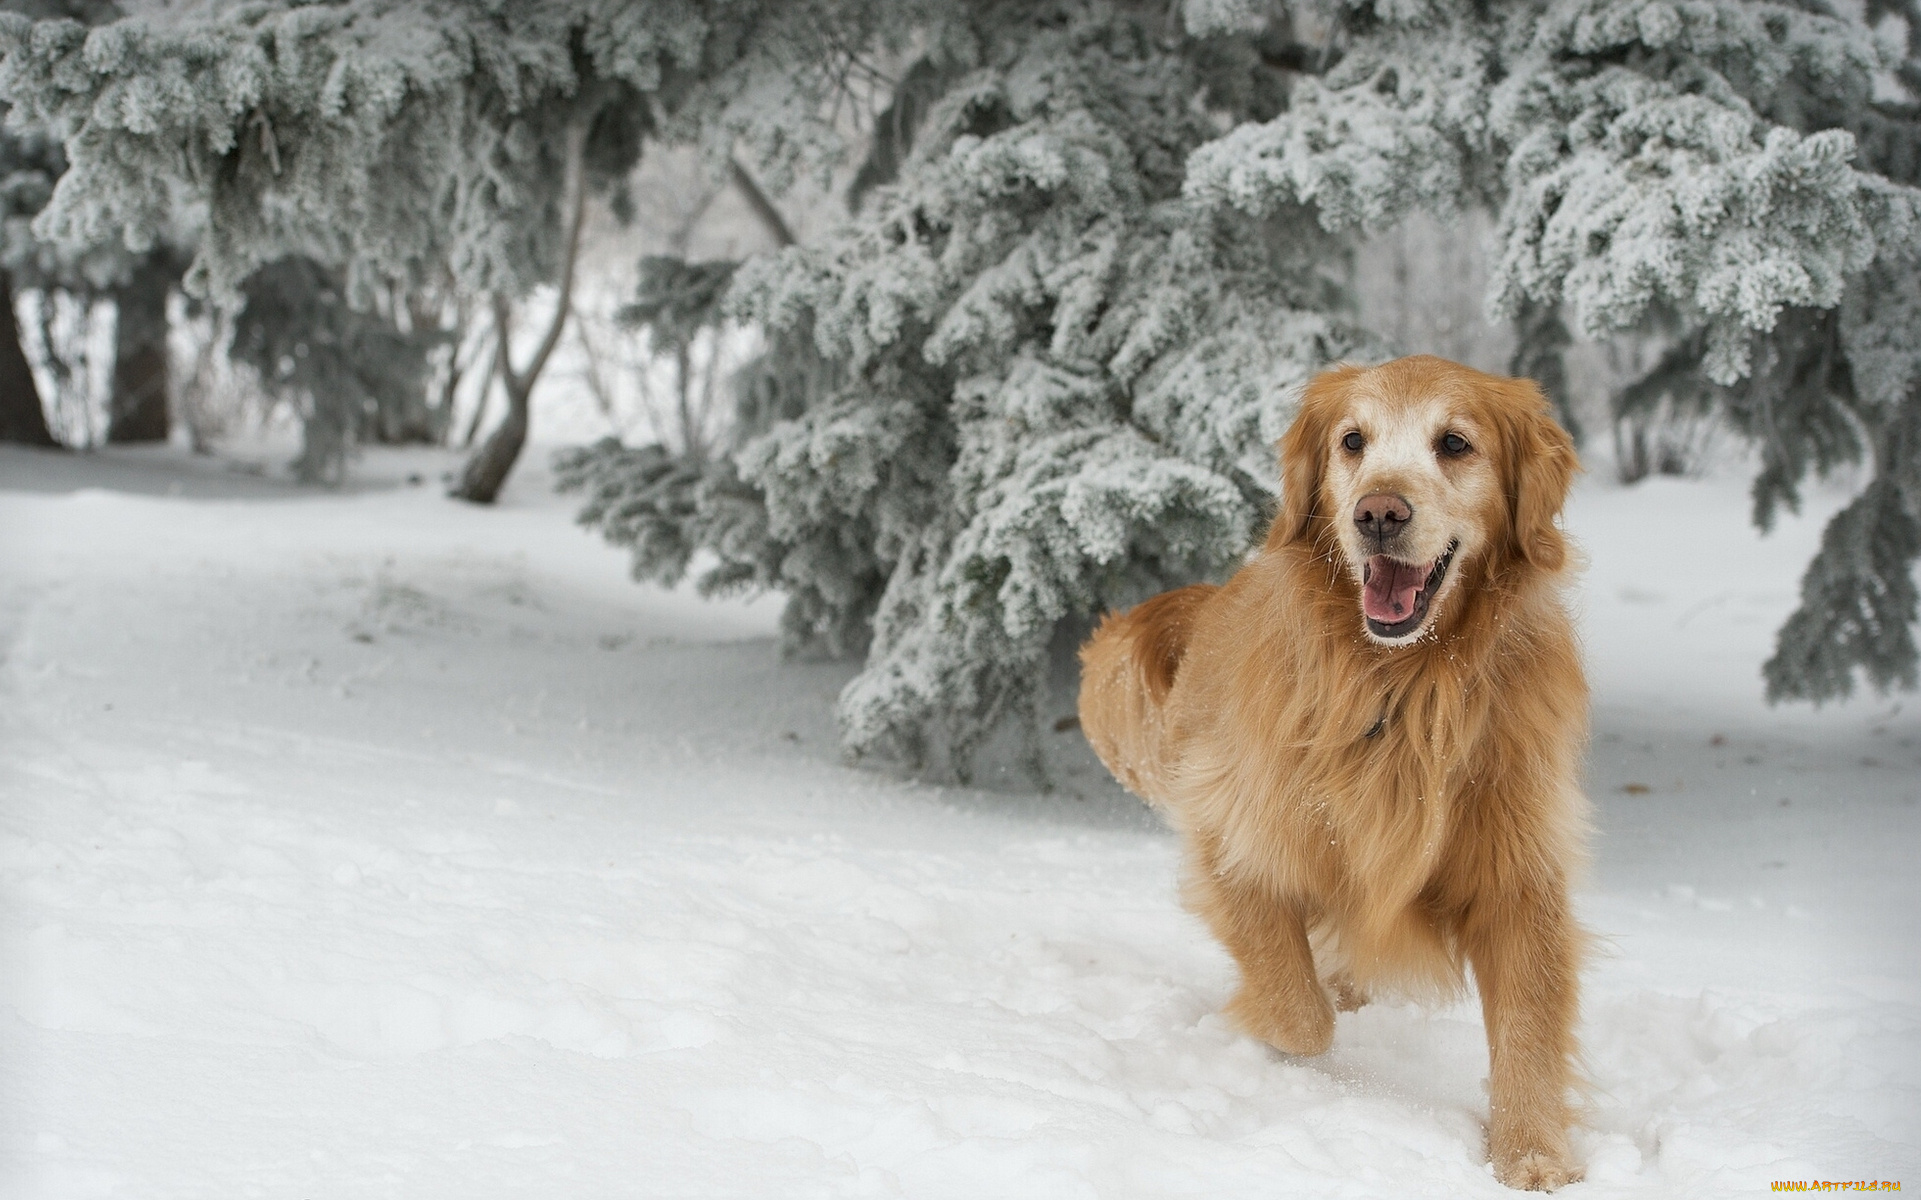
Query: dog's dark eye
{"points": [[1354, 442], [1454, 445]]}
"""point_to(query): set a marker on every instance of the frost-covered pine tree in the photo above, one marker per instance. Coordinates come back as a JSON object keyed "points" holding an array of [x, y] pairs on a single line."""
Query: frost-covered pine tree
{"points": [[404, 142], [1026, 382], [1039, 371], [138, 284], [352, 374], [1736, 174]]}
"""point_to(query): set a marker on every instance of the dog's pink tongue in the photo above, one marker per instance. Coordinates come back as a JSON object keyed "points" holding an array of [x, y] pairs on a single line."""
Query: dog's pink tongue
{"points": [[1388, 596]]}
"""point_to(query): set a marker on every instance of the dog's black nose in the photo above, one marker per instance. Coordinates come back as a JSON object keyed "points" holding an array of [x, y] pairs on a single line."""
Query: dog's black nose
{"points": [[1381, 516]]}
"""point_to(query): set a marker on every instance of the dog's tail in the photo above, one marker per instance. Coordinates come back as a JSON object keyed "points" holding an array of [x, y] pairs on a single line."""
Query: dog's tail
{"points": [[1127, 670]]}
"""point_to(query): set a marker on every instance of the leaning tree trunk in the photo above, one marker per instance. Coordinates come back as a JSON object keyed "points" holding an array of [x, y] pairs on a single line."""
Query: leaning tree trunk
{"points": [[486, 472], [138, 410], [22, 419]]}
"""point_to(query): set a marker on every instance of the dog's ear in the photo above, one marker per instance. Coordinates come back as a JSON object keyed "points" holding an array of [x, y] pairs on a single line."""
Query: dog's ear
{"points": [[1541, 464], [1304, 453]]}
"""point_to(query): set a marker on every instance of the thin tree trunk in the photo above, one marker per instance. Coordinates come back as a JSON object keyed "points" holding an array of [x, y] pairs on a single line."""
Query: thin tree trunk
{"points": [[480, 411], [138, 409], [456, 371], [684, 387], [486, 472], [22, 419], [449, 391], [480, 356], [764, 209], [697, 448]]}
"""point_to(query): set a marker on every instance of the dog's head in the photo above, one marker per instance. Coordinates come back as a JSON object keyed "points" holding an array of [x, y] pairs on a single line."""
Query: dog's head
{"points": [[1417, 472]]}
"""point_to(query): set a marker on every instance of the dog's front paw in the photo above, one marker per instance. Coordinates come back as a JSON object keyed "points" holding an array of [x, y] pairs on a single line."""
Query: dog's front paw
{"points": [[1536, 1170], [1302, 1027]]}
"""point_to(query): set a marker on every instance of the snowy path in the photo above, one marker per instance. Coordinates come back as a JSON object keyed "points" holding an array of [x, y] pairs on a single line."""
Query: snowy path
{"points": [[368, 845]]}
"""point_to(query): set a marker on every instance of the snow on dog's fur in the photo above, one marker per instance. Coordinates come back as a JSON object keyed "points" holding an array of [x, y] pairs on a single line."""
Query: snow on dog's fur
{"points": [[1370, 736]]}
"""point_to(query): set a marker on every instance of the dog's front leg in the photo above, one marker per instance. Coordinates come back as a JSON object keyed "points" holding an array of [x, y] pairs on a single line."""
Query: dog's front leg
{"points": [[1524, 948], [1280, 999]]}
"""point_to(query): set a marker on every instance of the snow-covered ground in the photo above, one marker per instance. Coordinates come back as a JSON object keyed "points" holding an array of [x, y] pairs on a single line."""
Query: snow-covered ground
{"points": [[364, 844]]}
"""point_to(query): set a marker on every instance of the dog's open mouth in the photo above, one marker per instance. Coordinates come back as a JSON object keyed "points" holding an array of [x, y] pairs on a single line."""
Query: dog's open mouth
{"points": [[1395, 595]]}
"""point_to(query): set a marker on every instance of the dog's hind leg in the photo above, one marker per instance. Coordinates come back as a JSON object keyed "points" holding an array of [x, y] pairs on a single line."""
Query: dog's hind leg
{"points": [[1280, 999], [1349, 996], [1127, 670]]}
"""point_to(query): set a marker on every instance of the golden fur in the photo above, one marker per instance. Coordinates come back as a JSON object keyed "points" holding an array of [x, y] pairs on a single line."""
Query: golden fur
{"points": [[1364, 811]]}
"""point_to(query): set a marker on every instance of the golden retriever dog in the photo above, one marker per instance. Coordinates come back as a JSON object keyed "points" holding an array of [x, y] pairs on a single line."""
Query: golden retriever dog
{"points": [[1370, 736]]}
